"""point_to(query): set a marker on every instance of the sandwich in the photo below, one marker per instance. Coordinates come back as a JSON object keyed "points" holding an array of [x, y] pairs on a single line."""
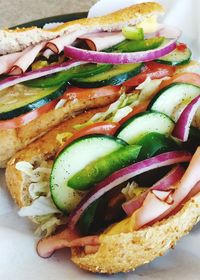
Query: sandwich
{"points": [[40, 78], [118, 185]]}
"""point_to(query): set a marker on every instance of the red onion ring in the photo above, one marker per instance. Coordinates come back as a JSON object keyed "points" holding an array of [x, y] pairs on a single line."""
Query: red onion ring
{"points": [[52, 69], [119, 58], [182, 127], [123, 175]]}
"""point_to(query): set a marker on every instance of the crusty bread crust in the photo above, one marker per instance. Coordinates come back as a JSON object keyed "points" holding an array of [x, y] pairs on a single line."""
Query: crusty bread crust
{"points": [[19, 39], [43, 149], [126, 251], [13, 140]]}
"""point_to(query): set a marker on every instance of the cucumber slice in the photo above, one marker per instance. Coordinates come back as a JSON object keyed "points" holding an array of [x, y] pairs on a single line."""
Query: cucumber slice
{"points": [[80, 71], [173, 99], [176, 57], [115, 76], [98, 170], [74, 158], [141, 124], [19, 99]]}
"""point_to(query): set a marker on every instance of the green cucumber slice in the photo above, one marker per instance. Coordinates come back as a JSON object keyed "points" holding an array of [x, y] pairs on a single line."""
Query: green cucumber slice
{"points": [[74, 158], [98, 170], [117, 75], [19, 99], [172, 99], [80, 71], [141, 124], [176, 57]]}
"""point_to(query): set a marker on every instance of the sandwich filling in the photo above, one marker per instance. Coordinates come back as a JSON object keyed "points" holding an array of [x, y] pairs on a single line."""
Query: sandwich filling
{"points": [[129, 166]]}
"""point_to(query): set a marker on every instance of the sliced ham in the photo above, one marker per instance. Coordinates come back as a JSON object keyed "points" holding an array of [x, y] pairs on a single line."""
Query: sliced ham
{"points": [[163, 184], [153, 206], [65, 239], [165, 196], [7, 61], [188, 186], [91, 249], [47, 53], [102, 40], [22, 64], [57, 45]]}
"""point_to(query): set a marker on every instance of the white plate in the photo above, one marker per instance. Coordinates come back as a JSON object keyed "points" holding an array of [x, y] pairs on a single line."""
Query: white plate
{"points": [[18, 259]]}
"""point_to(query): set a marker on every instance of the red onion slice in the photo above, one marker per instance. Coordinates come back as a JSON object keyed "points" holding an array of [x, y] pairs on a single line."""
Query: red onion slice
{"points": [[163, 184], [119, 58], [52, 69], [123, 175], [182, 127]]}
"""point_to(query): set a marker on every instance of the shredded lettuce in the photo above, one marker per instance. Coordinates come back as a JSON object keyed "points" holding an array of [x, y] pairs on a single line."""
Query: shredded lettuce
{"points": [[144, 84], [116, 111], [38, 189], [47, 224], [149, 87], [60, 104], [82, 125], [40, 206], [41, 209], [121, 113], [24, 167], [132, 190], [128, 191], [62, 137]]}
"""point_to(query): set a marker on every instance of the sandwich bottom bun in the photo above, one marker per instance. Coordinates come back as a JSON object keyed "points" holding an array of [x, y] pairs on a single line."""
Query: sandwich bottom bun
{"points": [[123, 252]]}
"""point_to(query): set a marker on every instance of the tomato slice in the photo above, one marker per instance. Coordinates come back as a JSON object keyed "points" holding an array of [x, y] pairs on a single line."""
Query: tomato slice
{"points": [[181, 47], [136, 110], [104, 127], [152, 69], [91, 93], [191, 78], [26, 118]]}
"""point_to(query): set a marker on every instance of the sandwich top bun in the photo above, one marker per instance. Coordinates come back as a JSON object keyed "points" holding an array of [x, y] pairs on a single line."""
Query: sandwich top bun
{"points": [[18, 39]]}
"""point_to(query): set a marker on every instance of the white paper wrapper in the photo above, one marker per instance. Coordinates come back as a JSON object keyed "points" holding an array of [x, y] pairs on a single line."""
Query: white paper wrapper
{"points": [[18, 259]]}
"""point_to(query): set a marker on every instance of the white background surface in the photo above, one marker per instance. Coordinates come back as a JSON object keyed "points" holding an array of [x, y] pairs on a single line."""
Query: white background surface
{"points": [[18, 259]]}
